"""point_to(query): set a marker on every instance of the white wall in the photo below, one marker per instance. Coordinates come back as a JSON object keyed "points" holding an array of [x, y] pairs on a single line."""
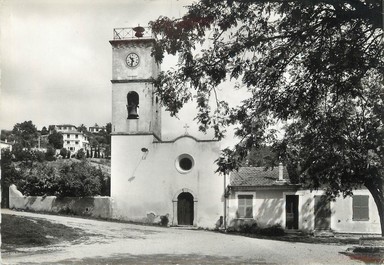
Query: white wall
{"points": [[269, 209], [141, 186]]}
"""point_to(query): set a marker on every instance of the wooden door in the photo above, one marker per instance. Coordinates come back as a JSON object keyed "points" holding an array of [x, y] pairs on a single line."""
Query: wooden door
{"points": [[185, 209], [292, 212], [322, 213]]}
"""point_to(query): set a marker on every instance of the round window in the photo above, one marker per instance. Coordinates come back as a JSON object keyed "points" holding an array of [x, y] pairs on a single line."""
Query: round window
{"points": [[184, 163]]}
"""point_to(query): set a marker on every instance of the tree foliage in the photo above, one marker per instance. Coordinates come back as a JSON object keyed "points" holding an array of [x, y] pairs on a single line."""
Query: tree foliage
{"points": [[44, 131], [314, 66], [73, 179], [82, 128], [26, 134], [56, 139]]}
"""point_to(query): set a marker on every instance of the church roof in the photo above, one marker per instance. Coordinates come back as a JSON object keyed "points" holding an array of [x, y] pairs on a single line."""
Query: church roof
{"points": [[258, 177], [188, 136]]}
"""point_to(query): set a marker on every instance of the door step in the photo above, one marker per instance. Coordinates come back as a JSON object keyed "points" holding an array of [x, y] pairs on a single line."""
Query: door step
{"points": [[185, 227]]}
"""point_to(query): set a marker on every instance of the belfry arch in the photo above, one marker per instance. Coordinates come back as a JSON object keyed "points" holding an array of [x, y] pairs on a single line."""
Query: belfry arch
{"points": [[133, 105]]}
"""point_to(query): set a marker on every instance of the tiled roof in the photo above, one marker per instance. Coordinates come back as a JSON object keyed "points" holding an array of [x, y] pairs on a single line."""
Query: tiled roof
{"points": [[258, 176], [65, 125]]}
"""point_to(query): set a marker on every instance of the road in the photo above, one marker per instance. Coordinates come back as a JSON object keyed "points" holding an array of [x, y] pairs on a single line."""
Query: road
{"points": [[122, 243]]}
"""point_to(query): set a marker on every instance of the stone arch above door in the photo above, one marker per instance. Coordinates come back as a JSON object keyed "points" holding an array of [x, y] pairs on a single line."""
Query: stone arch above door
{"points": [[184, 190], [175, 220]]}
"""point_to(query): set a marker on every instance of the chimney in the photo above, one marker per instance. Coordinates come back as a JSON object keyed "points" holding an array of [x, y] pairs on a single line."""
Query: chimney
{"points": [[281, 174]]}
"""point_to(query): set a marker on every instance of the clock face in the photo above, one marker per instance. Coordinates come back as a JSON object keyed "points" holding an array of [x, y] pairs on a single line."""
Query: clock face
{"points": [[132, 60]]}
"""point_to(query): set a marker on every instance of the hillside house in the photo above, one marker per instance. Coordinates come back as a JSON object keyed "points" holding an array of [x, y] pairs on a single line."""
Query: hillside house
{"points": [[73, 139]]}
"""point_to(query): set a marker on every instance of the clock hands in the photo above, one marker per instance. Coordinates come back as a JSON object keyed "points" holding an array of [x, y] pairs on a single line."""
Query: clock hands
{"points": [[132, 60]]}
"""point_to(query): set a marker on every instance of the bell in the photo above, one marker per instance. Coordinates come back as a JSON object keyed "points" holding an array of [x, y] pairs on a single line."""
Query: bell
{"points": [[139, 31], [132, 111]]}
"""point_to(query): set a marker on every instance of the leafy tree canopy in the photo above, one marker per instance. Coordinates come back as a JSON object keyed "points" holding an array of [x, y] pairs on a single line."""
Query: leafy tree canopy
{"points": [[56, 139], [82, 128], [26, 134], [314, 66], [44, 131]]}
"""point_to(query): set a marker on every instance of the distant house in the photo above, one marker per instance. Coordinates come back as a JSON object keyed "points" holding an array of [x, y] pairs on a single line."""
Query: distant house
{"points": [[73, 139], [268, 197], [6, 145], [65, 128], [96, 128]]}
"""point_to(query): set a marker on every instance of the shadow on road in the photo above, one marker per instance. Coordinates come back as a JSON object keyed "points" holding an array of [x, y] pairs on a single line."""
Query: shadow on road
{"points": [[162, 259]]}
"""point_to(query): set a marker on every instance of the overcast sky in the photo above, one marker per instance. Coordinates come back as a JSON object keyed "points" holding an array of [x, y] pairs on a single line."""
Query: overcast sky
{"points": [[56, 60]]}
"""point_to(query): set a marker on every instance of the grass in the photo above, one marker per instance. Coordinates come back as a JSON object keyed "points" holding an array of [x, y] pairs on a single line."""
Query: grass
{"points": [[18, 231]]}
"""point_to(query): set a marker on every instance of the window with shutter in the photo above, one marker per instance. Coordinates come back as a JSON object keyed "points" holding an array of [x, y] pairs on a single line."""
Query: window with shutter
{"points": [[360, 207], [245, 206]]}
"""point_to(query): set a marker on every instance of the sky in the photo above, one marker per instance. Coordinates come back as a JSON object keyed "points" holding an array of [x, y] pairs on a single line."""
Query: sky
{"points": [[56, 60]]}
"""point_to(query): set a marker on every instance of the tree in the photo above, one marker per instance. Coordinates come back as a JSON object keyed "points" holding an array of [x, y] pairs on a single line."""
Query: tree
{"points": [[44, 131], [25, 134], [314, 66], [80, 154], [63, 152], [56, 139], [51, 128], [262, 157], [50, 155], [9, 175], [82, 128]]}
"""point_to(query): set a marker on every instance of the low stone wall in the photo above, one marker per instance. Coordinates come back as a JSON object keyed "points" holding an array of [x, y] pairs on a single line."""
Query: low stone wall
{"points": [[99, 207]]}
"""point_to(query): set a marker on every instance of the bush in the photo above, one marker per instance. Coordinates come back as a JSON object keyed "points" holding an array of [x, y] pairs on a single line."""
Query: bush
{"points": [[164, 220], [63, 152], [39, 156], [76, 179], [80, 154], [50, 155], [253, 228], [39, 180], [9, 175], [275, 230], [79, 180]]}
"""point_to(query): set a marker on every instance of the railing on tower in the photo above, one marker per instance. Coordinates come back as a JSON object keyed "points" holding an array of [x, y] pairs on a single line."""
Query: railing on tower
{"points": [[132, 33]]}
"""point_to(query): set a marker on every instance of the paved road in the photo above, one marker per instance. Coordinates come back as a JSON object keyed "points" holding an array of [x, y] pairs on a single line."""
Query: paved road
{"points": [[121, 243]]}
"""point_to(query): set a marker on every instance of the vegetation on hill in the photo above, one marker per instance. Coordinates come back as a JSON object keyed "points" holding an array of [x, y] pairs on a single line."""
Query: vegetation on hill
{"points": [[62, 178]]}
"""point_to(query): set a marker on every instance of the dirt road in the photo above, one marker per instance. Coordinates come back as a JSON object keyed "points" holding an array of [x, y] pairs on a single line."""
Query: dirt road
{"points": [[121, 243]]}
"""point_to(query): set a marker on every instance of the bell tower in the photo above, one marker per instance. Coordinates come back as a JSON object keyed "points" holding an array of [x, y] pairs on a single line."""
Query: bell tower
{"points": [[135, 107]]}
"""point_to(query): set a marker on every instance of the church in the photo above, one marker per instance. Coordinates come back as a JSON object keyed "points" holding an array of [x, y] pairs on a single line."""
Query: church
{"points": [[151, 177]]}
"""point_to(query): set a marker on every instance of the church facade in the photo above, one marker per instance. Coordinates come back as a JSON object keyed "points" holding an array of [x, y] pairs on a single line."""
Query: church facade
{"points": [[151, 177]]}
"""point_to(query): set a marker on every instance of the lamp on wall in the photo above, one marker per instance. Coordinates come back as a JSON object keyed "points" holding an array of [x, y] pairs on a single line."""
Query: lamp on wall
{"points": [[145, 151]]}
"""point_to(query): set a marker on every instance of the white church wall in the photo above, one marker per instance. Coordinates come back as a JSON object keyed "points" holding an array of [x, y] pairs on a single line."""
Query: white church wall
{"points": [[151, 185]]}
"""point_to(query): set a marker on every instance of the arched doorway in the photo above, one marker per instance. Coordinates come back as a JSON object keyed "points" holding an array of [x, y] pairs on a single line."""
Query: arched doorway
{"points": [[185, 209]]}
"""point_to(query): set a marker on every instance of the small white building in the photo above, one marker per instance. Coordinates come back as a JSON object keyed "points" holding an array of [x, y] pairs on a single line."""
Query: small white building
{"points": [[96, 128], [65, 128], [151, 177], [6, 145], [268, 198]]}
